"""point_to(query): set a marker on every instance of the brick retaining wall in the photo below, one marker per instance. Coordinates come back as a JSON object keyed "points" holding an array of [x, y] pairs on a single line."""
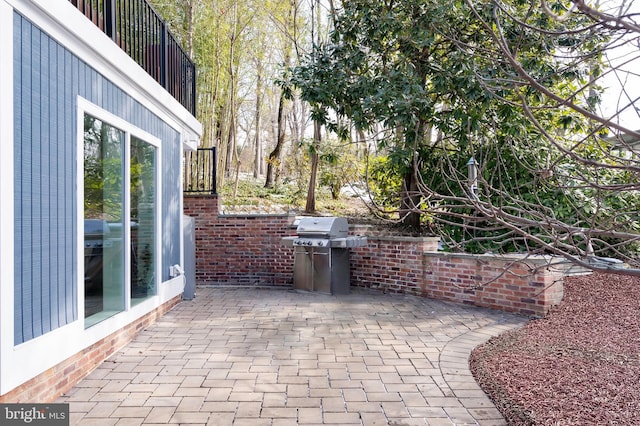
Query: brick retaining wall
{"points": [[392, 264], [246, 250], [526, 285], [239, 249]]}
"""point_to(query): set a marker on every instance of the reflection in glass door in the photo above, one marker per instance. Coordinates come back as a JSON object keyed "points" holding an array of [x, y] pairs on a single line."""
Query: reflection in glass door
{"points": [[143, 219], [104, 236]]}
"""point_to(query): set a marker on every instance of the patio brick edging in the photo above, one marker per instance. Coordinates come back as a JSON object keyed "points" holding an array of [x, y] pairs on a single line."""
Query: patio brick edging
{"points": [[247, 250], [49, 385]]}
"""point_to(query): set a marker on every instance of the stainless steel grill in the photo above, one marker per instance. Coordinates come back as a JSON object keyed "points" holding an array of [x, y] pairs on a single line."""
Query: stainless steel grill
{"points": [[321, 254]]}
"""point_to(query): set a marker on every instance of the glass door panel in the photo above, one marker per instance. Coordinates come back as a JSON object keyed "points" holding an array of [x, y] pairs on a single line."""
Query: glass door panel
{"points": [[104, 260], [143, 220]]}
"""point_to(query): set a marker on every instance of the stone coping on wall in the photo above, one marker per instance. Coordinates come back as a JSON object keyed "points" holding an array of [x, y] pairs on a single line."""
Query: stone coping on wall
{"points": [[514, 257], [558, 263], [401, 238], [260, 215]]}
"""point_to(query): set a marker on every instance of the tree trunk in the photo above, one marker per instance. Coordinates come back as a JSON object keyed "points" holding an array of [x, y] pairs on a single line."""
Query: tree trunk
{"points": [[410, 200], [231, 144], [237, 180], [363, 146], [410, 197], [190, 26], [231, 139], [273, 163], [311, 192], [257, 162]]}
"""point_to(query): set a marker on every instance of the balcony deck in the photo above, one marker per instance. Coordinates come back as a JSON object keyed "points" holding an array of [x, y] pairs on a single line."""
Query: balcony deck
{"points": [[136, 27]]}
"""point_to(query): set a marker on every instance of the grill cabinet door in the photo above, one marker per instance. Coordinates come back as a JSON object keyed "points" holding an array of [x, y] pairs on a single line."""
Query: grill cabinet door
{"points": [[322, 270], [302, 267]]}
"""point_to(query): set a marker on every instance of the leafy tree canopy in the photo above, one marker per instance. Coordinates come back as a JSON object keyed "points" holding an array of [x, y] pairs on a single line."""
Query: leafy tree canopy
{"points": [[507, 83]]}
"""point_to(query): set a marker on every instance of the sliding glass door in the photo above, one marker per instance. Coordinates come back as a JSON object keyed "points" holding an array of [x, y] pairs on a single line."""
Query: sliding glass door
{"points": [[120, 211]]}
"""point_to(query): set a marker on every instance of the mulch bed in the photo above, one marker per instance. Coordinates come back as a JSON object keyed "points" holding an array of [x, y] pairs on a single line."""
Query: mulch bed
{"points": [[579, 365]]}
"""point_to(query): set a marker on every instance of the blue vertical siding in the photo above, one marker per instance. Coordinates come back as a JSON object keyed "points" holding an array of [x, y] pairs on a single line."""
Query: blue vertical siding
{"points": [[47, 80], [171, 204], [69, 189], [18, 154]]}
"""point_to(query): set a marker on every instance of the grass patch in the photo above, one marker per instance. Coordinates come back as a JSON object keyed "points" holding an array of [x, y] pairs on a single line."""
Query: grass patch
{"points": [[251, 196]]}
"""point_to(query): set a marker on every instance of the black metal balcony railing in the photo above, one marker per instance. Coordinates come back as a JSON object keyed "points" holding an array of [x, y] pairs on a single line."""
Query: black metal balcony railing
{"points": [[144, 36], [200, 171]]}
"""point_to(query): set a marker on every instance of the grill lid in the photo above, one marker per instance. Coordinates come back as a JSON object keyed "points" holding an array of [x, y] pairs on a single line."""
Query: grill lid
{"points": [[323, 227]]}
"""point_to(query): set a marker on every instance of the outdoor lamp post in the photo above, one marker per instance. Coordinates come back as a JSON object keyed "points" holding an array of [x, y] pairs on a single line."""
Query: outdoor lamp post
{"points": [[472, 173]]}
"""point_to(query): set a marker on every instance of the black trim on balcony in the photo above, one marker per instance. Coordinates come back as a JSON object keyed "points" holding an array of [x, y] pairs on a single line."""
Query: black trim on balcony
{"points": [[200, 171], [136, 27]]}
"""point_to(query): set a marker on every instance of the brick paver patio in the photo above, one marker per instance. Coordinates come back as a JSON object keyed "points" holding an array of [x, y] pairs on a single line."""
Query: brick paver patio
{"points": [[240, 356]]}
